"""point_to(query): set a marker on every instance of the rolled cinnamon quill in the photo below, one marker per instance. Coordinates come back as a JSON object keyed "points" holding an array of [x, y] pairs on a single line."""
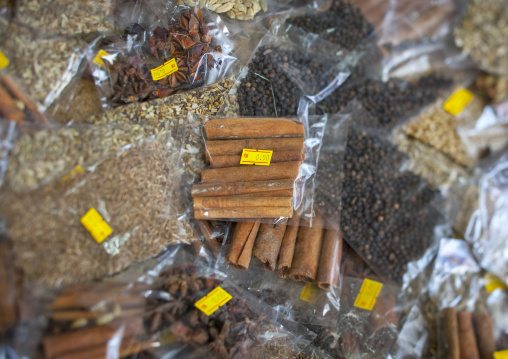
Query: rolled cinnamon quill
{"points": [[16, 91], [128, 346], [244, 212], [236, 147], [240, 251], [253, 128], [8, 108], [307, 250], [234, 160], [236, 188], [287, 249], [207, 232], [268, 244], [467, 340], [276, 171], [329, 262], [451, 331], [239, 202], [279, 193], [484, 335]]}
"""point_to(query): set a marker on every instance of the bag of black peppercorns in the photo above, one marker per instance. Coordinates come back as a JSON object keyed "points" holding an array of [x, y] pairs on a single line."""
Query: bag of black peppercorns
{"points": [[385, 213]]}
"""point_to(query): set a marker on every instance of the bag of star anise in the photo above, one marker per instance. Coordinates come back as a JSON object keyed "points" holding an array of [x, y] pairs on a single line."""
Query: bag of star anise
{"points": [[186, 52]]}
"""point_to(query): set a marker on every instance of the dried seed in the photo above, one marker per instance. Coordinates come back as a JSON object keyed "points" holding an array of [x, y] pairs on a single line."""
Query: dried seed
{"points": [[224, 8], [240, 7], [231, 14], [263, 5]]}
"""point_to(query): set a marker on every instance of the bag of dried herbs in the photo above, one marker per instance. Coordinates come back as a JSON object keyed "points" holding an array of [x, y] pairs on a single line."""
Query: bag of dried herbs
{"points": [[188, 52], [95, 197]]}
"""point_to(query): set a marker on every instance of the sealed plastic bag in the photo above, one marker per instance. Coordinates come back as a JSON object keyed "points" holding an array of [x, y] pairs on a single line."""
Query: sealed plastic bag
{"points": [[189, 52]]}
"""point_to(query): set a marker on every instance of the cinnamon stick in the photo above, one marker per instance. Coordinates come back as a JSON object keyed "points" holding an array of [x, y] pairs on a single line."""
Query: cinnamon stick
{"points": [[235, 147], [244, 213], [16, 91], [287, 248], [64, 343], [467, 340], [275, 171], [268, 244], [128, 346], [307, 251], [204, 203], [240, 251], [235, 188], [484, 335], [87, 300], [234, 160], [8, 107], [83, 314], [8, 300], [280, 193], [451, 331], [253, 128], [329, 262], [207, 232]]}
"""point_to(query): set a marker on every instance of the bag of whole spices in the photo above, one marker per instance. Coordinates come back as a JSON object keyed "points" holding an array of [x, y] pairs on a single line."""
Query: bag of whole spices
{"points": [[188, 52], [172, 309], [386, 213]]}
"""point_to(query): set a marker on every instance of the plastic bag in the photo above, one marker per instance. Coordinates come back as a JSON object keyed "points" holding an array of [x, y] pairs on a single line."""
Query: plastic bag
{"points": [[75, 186], [189, 52], [390, 201]]}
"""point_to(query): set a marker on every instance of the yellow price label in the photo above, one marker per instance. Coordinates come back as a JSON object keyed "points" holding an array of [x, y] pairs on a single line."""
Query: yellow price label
{"points": [[367, 297], [503, 354], [74, 172], [256, 157], [310, 293], [213, 300], [492, 283], [95, 225], [98, 59], [164, 70], [456, 103], [4, 61]]}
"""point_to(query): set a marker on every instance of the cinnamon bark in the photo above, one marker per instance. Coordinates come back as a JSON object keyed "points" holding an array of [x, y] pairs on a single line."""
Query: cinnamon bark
{"points": [[307, 251], [329, 262], [128, 346], [207, 232], [253, 128], [467, 340], [8, 300], [280, 193], [484, 335], [240, 251], [235, 147], [275, 171], [64, 343], [268, 244], [244, 213], [82, 314], [287, 248], [8, 107], [16, 91], [234, 160], [451, 331], [87, 300], [235, 188], [204, 203]]}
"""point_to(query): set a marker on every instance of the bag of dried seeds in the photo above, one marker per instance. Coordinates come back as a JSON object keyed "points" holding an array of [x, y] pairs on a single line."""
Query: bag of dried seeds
{"points": [[94, 196], [189, 52]]}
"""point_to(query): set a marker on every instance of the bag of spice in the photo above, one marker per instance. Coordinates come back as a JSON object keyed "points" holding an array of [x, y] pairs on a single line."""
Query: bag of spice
{"points": [[188, 52], [167, 308]]}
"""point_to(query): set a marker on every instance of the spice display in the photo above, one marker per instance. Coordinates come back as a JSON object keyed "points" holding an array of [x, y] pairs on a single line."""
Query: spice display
{"points": [[390, 102], [482, 34], [341, 24], [186, 42], [241, 10]]}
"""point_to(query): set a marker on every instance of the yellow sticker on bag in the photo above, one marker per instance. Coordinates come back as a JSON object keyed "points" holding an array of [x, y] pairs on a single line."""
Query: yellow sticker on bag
{"points": [[456, 103], [256, 157], [95, 225], [4, 61], [98, 59], [503, 354], [367, 297], [75, 171], [164, 70], [310, 293], [492, 283], [213, 300]]}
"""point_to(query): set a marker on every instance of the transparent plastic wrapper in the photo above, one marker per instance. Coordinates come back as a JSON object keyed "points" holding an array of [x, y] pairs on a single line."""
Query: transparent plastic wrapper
{"points": [[188, 52], [166, 308], [99, 193], [486, 228], [497, 307]]}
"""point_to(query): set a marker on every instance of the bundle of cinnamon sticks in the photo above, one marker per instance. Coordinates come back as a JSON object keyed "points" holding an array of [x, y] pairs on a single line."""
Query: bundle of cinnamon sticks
{"points": [[231, 190], [25, 111], [467, 335]]}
